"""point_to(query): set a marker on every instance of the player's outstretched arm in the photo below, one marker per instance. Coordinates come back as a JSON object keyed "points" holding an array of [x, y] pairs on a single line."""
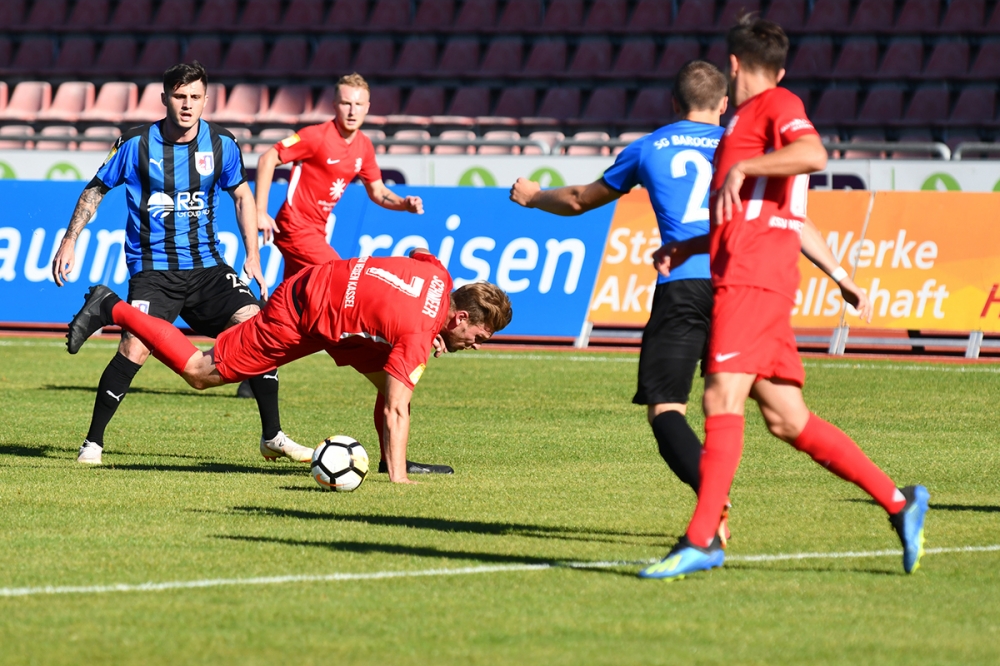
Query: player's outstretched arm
{"points": [[817, 251], [246, 214], [673, 254], [397, 427], [86, 206], [569, 200], [383, 196], [265, 174]]}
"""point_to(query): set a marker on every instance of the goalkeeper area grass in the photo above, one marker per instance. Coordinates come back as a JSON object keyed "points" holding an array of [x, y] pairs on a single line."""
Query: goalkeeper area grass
{"points": [[186, 547]]}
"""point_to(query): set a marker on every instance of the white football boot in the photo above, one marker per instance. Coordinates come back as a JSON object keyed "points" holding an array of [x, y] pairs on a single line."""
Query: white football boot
{"points": [[90, 453], [283, 446]]}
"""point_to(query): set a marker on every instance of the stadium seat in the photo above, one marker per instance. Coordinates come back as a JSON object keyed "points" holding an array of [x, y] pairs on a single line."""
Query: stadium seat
{"points": [[89, 13], [500, 135], [76, 54], [551, 138], [27, 101], [477, 15], [411, 150], [289, 103], [3, 95], [652, 106], [590, 150], [460, 55], [548, 56], [384, 101], [919, 16], [814, 58], [561, 103], [993, 24], [375, 57], [71, 99], [206, 50], [964, 15], [637, 56], [456, 150], [242, 134], [949, 59], [418, 55], [903, 58], [606, 14], [331, 58], [303, 14], [175, 14], [16, 137], [271, 137], [695, 15], [732, 10], [859, 137], [629, 137], [678, 52], [872, 15], [260, 14], [323, 109], [114, 100], [245, 57], [46, 14], [829, 15], [503, 56], [5, 52], [802, 92], [215, 99], [929, 105], [923, 135], [57, 131], [217, 15], [593, 56], [718, 54], [100, 138], [884, 104], [35, 54], [520, 15], [433, 15], [425, 101], [975, 105], [150, 105], [470, 101], [159, 54], [987, 63], [858, 57], [12, 13], [375, 135], [516, 103], [606, 105], [288, 57], [563, 15], [117, 56], [650, 16], [243, 103], [835, 106], [347, 14], [790, 14], [390, 14], [133, 14]]}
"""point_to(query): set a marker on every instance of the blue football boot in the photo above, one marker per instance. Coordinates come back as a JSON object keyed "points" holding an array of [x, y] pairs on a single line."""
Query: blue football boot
{"points": [[686, 558], [909, 525]]}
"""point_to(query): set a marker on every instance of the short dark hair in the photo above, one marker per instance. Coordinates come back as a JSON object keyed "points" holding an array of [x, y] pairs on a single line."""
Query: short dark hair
{"points": [[758, 44], [699, 86], [183, 74]]}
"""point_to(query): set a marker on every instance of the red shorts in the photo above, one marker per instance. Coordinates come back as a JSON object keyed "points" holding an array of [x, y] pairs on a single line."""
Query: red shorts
{"points": [[303, 248], [752, 333]]}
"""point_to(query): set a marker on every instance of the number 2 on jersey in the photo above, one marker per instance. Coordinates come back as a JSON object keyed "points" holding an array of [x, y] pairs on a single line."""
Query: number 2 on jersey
{"points": [[695, 211]]}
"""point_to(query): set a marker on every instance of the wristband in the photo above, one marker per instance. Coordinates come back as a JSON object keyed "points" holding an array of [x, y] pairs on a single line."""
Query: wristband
{"points": [[838, 274]]}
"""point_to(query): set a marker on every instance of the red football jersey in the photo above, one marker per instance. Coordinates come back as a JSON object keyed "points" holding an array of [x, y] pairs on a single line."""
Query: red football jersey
{"points": [[324, 165], [760, 246], [377, 313]]}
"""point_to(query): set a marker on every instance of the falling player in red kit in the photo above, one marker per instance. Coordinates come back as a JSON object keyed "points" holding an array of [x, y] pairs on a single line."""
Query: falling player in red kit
{"points": [[758, 208], [380, 315]]}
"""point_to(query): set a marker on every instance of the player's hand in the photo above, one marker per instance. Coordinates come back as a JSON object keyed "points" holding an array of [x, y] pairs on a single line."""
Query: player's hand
{"points": [[267, 226], [414, 205], [728, 196], [523, 191], [63, 262], [669, 255], [857, 299], [252, 270], [439, 347]]}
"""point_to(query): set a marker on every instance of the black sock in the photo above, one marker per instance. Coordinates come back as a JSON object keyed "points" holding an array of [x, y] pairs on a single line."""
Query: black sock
{"points": [[265, 391], [111, 390], [679, 446]]}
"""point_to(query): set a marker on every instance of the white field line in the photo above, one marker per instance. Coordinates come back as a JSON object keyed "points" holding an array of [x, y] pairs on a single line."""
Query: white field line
{"points": [[465, 571]]}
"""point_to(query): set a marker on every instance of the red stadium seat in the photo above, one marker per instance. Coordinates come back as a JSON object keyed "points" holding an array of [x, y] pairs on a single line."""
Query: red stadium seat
{"points": [[413, 134], [384, 101], [3, 95], [46, 14], [434, 15], [244, 102], [217, 14], [133, 14], [89, 13], [829, 15], [500, 135], [790, 14], [872, 15], [332, 58], [206, 50], [323, 109], [159, 54], [637, 56], [650, 16], [113, 101], [732, 10], [100, 138], [477, 15], [288, 57], [919, 15], [289, 103], [814, 58], [521, 14], [590, 150], [425, 101], [835, 106], [375, 135], [75, 55], [930, 105], [548, 56], [949, 59], [563, 15], [605, 14], [864, 135], [215, 99], [470, 101], [418, 56], [456, 150], [858, 57], [150, 105], [882, 105], [272, 136], [60, 131], [987, 63], [503, 56], [695, 15], [303, 14], [72, 98], [16, 137], [375, 57], [605, 105], [33, 55], [560, 103], [347, 14], [175, 14], [11, 13], [244, 57], [260, 14], [678, 52], [460, 55], [652, 106], [118, 55], [802, 92], [718, 54], [964, 15], [388, 14], [903, 58], [516, 103], [551, 138], [593, 56], [975, 105]]}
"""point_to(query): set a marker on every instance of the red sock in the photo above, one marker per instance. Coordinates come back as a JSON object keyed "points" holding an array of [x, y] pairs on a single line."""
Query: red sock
{"points": [[830, 447], [164, 340], [721, 457], [378, 416]]}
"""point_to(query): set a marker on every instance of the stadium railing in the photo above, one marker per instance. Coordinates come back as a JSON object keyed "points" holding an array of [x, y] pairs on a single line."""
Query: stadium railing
{"points": [[974, 147]]}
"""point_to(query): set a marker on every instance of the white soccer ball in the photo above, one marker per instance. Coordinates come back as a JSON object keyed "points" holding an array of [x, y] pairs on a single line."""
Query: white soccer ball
{"points": [[340, 463]]}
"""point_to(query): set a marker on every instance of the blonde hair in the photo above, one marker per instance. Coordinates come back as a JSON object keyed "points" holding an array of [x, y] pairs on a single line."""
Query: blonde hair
{"points": [[354, 80], [486, 304]]}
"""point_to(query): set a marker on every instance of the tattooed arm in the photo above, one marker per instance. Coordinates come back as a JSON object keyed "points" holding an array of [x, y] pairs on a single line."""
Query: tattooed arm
{"points": [[383, 196], [86, 206]]}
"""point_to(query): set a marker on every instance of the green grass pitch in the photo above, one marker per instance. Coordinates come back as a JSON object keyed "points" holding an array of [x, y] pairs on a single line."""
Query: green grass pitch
{"points": [[554, 466]]}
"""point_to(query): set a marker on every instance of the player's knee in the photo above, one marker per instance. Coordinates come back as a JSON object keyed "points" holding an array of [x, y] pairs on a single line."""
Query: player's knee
{"points": [[781, 426], [132, 349], [241, 315]]}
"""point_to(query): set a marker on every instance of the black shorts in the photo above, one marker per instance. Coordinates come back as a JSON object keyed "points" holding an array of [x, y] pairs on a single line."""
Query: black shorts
{"points": [[206, 298], [674, 340]]}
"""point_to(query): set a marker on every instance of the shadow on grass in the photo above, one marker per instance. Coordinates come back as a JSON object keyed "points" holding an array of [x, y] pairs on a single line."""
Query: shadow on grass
{"points": [[211, 468], [184, 392], [982, 508], [771, 567], [47, 451]]}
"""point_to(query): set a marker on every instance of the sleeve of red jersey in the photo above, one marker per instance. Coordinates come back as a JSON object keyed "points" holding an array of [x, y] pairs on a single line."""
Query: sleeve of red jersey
{"points": [[788, 117], [300, 145], [370, 171], [408, 358]]}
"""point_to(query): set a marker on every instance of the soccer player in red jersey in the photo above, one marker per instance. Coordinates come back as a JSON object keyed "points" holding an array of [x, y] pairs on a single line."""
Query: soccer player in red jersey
{"points": [[380, 315], [758, 209], [326, 157]]}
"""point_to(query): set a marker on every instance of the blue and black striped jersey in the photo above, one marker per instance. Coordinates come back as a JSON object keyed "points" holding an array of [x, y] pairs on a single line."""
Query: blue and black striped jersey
{"points": [[172, 192]]}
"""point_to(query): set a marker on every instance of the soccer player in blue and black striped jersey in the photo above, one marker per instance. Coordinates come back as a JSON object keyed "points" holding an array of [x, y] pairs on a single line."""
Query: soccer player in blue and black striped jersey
{"points": [[174, 172]]}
